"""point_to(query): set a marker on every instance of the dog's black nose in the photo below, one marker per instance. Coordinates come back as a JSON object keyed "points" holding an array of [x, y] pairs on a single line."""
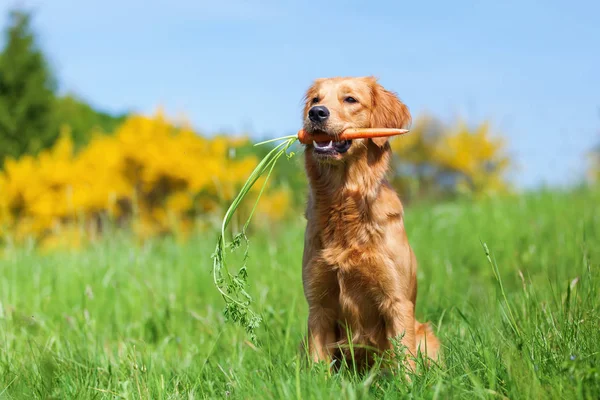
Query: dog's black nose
{"points": [[318, 114]]}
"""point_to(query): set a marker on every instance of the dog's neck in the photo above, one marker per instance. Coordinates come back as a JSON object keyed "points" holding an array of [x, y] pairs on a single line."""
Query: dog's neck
{"points": [[359, 179], [343, 198]]}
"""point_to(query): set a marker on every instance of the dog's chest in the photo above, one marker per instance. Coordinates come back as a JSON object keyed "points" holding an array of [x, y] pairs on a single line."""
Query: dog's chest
{"points": [[347, 224]]}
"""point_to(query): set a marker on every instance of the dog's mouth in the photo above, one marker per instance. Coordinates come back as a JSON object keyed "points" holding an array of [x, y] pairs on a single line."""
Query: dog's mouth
{"points": [[331, 148]]}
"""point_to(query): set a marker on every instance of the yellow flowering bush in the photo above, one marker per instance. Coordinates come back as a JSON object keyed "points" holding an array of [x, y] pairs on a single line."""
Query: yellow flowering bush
{"points": [[151, 174], [478, 159], [155, 176], [434, 159]]}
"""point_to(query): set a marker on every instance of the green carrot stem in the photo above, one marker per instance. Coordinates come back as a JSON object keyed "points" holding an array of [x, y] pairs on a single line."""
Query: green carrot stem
{"points": [[230, 287]]}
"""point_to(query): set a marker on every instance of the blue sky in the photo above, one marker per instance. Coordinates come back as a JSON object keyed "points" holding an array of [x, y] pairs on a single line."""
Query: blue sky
{"points": [[242, 66]]}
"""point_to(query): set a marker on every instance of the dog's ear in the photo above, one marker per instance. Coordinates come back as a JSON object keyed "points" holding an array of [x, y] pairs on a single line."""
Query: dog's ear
{"points": [[387, 111]]}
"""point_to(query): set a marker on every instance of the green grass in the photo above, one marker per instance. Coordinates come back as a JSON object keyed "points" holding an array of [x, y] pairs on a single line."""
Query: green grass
{"points": [[124, 321]]}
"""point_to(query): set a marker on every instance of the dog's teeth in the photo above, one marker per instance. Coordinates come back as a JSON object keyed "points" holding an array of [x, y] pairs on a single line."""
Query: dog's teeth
{"points": [[315, 143], [330, 143]]}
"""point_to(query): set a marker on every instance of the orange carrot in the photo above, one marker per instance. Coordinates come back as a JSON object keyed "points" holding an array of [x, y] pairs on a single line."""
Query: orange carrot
{"points": [[348, 134]]}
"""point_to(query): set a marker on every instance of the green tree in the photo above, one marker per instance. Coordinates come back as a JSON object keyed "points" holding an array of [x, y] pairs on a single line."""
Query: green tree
{"points": [[83, 120], [27, 89]]}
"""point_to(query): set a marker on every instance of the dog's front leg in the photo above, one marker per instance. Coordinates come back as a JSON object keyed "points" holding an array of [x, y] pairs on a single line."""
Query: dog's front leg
{"points": [[399, 318], [321, 290], [321, 333]]}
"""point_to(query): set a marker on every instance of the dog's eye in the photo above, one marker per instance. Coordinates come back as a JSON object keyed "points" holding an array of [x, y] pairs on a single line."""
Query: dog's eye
{"points": [[350, 100], [315, 100]]}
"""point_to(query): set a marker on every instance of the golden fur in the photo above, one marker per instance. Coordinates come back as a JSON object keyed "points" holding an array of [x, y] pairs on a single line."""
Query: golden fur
{"points": [[358, 269]]}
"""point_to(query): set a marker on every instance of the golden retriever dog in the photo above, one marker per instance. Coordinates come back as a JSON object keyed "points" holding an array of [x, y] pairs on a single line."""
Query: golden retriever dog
{"points": [[358, 269]]}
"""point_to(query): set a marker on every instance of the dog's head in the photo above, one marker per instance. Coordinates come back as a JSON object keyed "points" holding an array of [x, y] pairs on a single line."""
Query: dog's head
{"points": [[333, 105]]}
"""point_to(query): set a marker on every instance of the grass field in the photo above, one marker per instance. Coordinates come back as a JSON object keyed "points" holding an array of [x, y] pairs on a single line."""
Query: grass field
{"points": [[123, 321]]}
